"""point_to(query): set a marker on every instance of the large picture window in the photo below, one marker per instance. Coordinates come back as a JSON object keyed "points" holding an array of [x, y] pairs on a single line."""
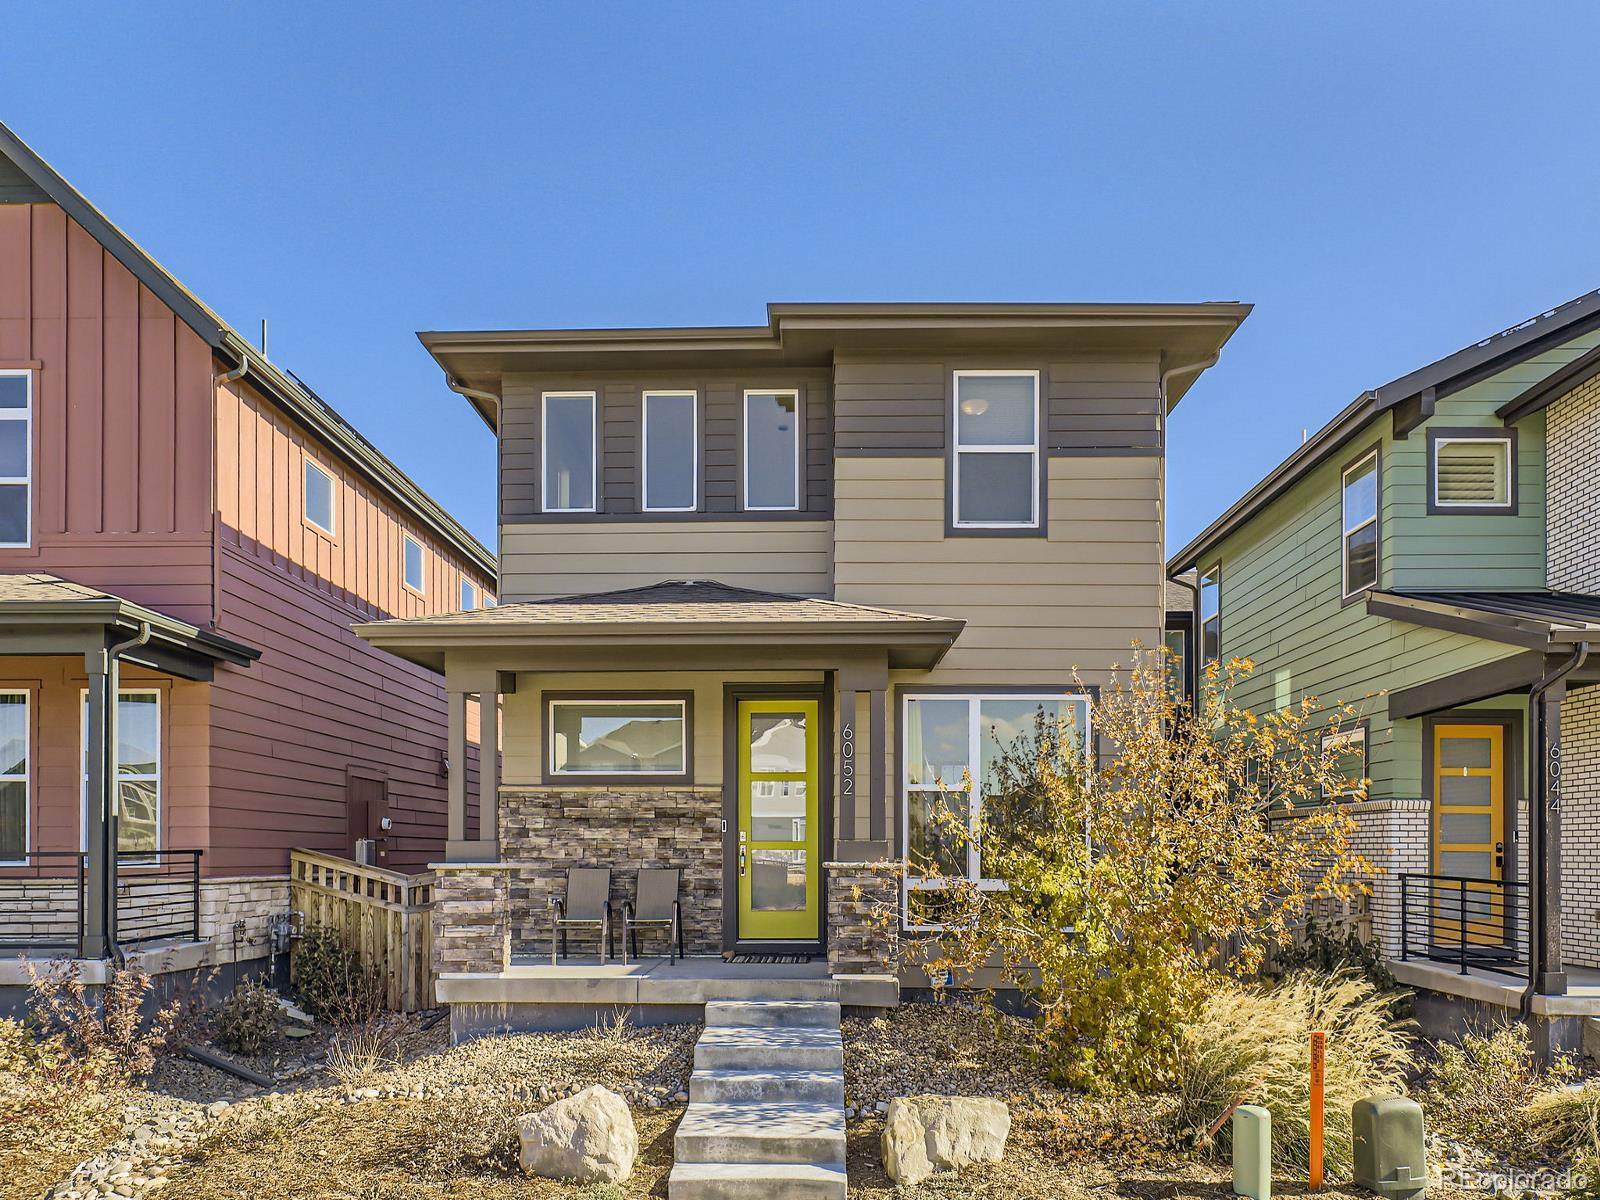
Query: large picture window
{"points": [[772, 451], [16, 457], [138, 769], [950, 745], [644, 738], [671, 468], [1360, 508], [567, 434], [996, 462], [14, 777]]}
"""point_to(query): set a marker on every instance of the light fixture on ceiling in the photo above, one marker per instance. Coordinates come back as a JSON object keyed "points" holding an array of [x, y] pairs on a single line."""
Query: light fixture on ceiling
{"points": [[975, 407]]}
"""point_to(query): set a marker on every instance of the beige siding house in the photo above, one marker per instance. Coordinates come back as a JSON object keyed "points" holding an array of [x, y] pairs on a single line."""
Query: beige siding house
{"points": [[763, 587]]}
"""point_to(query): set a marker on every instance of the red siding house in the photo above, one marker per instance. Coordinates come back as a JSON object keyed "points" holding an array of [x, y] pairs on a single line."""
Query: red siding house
{"points": [[189, 529]]}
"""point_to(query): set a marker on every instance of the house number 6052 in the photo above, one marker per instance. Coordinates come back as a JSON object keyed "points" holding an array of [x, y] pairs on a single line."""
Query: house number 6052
{"points": [[847, 759]]}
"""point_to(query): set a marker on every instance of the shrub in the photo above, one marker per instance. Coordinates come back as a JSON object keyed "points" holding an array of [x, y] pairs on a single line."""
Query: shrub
{"points": [[1567, 1119], [474, 1130], [1481, 1089], [248, 1019], [361, 1051], [1323, 947], [113, 1029], [1253, 1044], [332, 982]]}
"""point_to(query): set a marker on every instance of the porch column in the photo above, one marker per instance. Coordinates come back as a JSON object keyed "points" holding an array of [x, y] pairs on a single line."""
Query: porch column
{"points": [[456, 793], [98, 911], [866, 752], [1545, 817], [487, 686]]}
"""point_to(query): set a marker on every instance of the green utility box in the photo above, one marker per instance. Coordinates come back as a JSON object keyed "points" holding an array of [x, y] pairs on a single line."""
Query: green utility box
{"points": [[1390, 1158], [1252, 1152]]}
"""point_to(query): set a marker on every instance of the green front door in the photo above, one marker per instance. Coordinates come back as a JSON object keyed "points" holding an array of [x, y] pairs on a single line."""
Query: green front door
{"points": [[779, 830]]}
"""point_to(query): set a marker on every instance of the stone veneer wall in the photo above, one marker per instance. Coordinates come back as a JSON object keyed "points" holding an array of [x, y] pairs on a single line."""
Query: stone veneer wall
{"points": [[470, 925], [863, 917], [543, 831], [1572, 491], [255, 901]]}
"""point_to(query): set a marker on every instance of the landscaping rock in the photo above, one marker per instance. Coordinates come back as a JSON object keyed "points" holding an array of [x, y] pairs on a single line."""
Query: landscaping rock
{"points": [[588, 1137], [924, 1134]]}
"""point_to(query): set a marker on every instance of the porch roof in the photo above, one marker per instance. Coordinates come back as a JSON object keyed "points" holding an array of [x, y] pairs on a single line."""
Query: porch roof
{"points": [[679, 612], [1536, 620], [43, 614]]}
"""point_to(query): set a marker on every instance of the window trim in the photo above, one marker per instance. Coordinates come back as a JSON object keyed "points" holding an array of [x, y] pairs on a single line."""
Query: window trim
{"points": [[1375, 453], [421, 587], [694, 450], [1506, 436], [551, 777], [904, 696], [1202, 661], [158, 778], [331, 528], [26, 777], [468, 591], [799, 451], [1359, 729], [25, 413], [594, 450], [957, 449]]}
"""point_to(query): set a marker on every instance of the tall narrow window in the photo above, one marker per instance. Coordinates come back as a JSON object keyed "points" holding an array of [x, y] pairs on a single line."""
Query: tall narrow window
{"points": [[13, 776], [16, 457], [319, 497], [1360, 507], [138, 786], [996, 467], [670, 457], [469, 596], [568, 438], [415, 576], [772, 450], [1211, 615]]}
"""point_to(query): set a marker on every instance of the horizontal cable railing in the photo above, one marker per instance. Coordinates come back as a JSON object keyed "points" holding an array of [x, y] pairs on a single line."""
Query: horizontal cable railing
{"points": [[158, 896], [1469, 923], [42, 903]]}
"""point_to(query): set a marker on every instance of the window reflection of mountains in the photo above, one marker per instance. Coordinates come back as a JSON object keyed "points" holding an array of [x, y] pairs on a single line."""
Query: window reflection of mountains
{"points": [[645, 744]]}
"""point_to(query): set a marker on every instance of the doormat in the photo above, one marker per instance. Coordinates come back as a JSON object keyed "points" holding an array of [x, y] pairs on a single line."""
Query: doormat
{"points": [[788, 959]]}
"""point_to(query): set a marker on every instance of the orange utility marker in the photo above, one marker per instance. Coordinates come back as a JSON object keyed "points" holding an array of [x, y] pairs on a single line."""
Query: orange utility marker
{"points": [[1319, 1044]]}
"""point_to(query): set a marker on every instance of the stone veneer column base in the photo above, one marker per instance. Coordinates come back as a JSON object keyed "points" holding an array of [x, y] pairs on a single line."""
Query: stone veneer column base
{"points": [[471, 922], [863, 917]]}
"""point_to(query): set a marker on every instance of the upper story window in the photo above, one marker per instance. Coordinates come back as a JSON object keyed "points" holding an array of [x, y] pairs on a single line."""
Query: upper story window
{"points": [[16, 457], [415, 577], [469, 596], [567, 433], [1470, 471], [319, 497], [996, 465], [1211, 615], [771, 450], [1360, 524], [671, 467]]}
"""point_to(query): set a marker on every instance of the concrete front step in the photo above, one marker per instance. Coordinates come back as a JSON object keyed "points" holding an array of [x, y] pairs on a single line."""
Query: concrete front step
{"points": [[755, 1047], [788, 1014], [816, 1087], [761, 1132], [756, 1181]]}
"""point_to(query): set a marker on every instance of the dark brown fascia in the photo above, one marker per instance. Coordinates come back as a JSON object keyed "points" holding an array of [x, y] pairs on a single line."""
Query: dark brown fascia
{"points": [[1494, 627], [1550, 389]]}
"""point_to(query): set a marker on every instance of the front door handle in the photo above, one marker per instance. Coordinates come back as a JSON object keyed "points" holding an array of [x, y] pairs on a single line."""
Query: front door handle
{"points": [[1500, 856], [741, 862]]}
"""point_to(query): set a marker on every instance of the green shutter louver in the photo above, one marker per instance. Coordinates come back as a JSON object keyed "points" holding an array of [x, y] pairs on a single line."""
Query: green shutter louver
{"points": [[1472, 472]]}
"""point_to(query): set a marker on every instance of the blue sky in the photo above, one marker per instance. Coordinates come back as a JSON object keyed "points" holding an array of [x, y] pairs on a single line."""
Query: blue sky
{"points": [[1385, 182]]}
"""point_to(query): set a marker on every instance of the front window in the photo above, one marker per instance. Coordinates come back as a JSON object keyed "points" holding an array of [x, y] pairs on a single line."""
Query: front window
{"points": [[138, 788], [1472, 473], [414, 575], [949, 745], [469, 596], [319, 497], [1360, 507], [670, 468], [1211, 615], [996, 468], [568, 439], [16, 457], [1349, 748], [772, 451], [13, 776], [644, 738]]}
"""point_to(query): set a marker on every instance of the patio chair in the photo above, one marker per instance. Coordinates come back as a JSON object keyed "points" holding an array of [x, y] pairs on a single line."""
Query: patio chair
{"points": [[587, 902], [658, 908]]}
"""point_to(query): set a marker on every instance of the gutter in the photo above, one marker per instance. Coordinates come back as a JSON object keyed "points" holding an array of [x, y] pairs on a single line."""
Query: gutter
{"points": [[461, 389]]}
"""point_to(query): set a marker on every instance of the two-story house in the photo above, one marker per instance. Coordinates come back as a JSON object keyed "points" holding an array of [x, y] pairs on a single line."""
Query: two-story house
{"points": [[187, 535], [1434, 552], [764, 588]]}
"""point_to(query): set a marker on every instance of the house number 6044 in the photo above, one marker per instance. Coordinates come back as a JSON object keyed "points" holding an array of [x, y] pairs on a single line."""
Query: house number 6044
{"points": [[847, 759]]}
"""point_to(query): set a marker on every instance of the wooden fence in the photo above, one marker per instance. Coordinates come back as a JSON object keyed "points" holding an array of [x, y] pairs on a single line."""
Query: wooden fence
{"points": [[383, 915]]}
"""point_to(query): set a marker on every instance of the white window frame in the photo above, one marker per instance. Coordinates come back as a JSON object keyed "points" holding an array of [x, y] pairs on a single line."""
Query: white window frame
{"points": [[594, 451], [694, 451], [799, 450], [331, 527], [469, 595], [959, 448], [616, 702], [419, 588], [1476, 505], [1347, 529], [1213, 571], [26, 777], [24, 413], [974, 759], [116, 777]]}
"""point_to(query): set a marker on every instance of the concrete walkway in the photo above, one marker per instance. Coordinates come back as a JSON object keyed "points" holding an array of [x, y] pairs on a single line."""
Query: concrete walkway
{"points": [[766, 1105]]}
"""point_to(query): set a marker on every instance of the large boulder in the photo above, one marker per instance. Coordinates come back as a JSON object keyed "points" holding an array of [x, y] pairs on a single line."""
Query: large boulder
{"points": [[924, 1134], [586, 1137]]}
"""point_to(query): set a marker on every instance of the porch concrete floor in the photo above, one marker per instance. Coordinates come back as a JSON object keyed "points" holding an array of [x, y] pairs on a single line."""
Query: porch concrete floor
{"points": [[1582, 998]]}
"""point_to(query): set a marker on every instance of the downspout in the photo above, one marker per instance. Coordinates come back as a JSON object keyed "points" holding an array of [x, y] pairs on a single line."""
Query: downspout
{"points": [[1184, 369], [462, 389], [1538, 816], [108, 822], [236, 374]]}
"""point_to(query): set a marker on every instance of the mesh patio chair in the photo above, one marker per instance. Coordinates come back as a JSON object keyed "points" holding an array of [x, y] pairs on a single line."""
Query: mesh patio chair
{"points": [[658, 908], [587, 903]]}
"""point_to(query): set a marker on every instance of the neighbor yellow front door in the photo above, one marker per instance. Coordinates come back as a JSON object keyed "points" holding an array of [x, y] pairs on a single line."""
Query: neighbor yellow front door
{"points": [[779, 830], [1469, 833]]}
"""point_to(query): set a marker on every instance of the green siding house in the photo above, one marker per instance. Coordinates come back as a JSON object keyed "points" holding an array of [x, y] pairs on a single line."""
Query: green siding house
{"points": [[1433, 554]]}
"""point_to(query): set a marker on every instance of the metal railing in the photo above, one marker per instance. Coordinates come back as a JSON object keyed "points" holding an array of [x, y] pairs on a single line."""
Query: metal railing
{"points": [[158, 896], [42, 899], [1468, 923]]}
